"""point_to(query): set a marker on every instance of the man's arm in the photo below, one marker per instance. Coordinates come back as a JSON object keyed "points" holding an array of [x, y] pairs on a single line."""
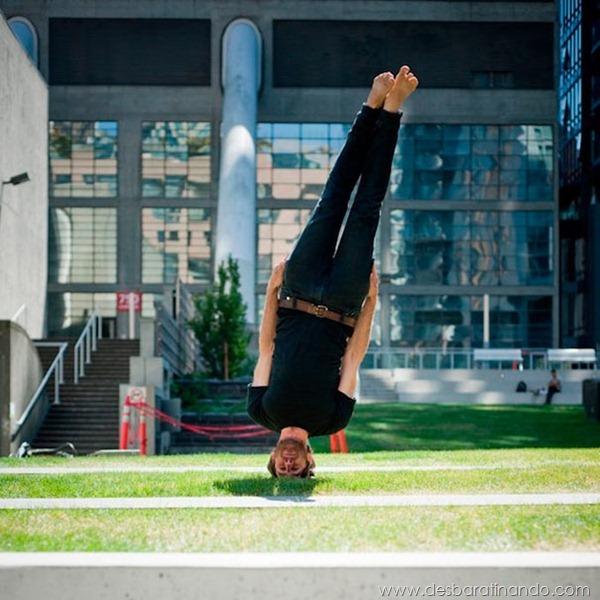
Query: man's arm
{"points": [[359, 342], [266, 339]]}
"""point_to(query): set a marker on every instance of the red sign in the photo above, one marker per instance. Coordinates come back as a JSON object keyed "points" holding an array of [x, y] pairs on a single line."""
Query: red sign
{"points": [[123, 299]]}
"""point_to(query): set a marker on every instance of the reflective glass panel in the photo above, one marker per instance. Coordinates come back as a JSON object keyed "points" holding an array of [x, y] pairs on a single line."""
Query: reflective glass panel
{"points": [[457, 321], [474, 162], [68, 312], [83, 159], [176, 245], [277, 233], [82, 245], [294, 159], [471, 247], [176, 159], [27, 35]]}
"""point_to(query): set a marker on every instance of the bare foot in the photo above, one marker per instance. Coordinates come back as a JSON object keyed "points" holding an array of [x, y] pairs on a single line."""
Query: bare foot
{"points": [[382, 84], [404, 85]]}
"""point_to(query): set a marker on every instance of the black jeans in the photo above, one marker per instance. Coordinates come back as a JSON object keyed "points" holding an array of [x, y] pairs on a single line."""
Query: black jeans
{"points": [[316, 270]]}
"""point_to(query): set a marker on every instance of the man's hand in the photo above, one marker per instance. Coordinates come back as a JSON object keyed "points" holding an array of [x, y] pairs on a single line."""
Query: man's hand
{"points": [[276, 279], [373, 284]]}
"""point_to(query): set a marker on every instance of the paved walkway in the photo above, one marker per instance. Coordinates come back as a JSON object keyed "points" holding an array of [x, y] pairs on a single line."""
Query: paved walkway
{"points": [[299, 501]]}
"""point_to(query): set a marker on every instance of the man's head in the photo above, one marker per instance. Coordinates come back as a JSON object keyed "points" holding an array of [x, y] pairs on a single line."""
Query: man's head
{"points": [[291, 458]]}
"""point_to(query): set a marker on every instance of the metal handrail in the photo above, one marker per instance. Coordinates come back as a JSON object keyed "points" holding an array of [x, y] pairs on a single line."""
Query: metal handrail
{"points": [[56, 369], [436, 358], [86, 344]]}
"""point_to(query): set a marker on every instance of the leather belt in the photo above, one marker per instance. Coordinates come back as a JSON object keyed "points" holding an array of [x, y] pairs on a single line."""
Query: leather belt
{"points": [[318, 310]]}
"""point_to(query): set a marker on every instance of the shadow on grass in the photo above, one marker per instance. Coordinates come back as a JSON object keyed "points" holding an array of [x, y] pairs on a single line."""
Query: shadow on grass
{"points": [[397, 427], [266, 486]]}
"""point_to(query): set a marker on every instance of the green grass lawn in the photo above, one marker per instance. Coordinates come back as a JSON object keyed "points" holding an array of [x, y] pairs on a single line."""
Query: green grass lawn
{"points": [[440, 449], [459, 427], [536, 477], [481, 529]]}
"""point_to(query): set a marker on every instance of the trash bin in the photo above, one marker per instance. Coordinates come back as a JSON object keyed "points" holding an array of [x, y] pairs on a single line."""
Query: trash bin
{"points": [[591, 398]]}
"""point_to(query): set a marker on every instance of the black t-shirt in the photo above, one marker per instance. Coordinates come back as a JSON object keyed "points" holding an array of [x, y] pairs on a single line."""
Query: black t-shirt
{"points": [[305, 375]]}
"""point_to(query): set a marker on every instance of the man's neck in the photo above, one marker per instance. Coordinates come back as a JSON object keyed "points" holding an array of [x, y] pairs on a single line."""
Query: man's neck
{"points": [[295, 433]]}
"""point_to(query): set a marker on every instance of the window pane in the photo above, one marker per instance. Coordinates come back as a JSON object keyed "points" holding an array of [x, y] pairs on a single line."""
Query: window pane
{"points": [[457, 321], [277, 233], [508, 162], [176, 159], [471, 247], [82, 245], [83, 159], [176, 245]]}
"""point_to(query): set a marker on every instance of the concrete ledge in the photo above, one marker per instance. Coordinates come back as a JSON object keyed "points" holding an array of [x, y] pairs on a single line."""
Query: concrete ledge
{"points": [[295, 576]]}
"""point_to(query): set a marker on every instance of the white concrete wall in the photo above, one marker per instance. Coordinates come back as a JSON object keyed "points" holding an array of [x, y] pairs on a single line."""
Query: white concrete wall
{"points": [[20, 375], [297, 576], [24, 208]]}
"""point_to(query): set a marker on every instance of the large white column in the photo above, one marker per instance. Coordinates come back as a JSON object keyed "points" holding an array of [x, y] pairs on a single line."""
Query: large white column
{"points": [[236, 217]]}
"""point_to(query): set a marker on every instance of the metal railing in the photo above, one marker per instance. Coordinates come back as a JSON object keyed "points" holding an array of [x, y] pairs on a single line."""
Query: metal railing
{"points": [[86, 344], [450, 358], [56, 369], [175, 342]]}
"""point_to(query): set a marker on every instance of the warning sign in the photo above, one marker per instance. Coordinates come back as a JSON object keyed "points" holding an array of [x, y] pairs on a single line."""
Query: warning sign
{"points": [[124, 299]]}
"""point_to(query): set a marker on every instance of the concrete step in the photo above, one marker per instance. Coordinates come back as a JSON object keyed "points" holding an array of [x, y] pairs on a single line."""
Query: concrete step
{"points": [[483, 386]]}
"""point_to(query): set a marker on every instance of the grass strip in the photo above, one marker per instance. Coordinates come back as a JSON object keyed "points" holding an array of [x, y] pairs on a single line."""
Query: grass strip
{"points": [[497, 458], [545, 479], [480, 529]]}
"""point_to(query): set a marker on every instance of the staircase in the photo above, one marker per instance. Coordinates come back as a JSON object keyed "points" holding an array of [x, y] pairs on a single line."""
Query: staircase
{"points": [[88, 413], [377, 385]]}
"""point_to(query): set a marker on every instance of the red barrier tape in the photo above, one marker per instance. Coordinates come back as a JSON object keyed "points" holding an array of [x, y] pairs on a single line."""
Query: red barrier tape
{"points": [[210, 431]]}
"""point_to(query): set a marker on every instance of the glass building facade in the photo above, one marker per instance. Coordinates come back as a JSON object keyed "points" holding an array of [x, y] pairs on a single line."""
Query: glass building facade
{"points": [[134, 149], [172, 198], [469, 211], [579, 171]]}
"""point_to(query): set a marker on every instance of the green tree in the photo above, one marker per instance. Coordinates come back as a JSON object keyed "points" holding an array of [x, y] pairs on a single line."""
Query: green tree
{"points": [[220, 324]]}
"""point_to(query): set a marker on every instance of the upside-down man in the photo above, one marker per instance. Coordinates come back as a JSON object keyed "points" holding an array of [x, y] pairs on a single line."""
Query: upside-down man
{"points": [[320, 302]]}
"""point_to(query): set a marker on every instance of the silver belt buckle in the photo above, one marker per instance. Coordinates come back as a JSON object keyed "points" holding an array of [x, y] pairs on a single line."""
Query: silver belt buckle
{"points": [[320, 310]]}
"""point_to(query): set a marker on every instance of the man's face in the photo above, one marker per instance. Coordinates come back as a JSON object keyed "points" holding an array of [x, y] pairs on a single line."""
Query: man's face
{"points": [[290, 458]]}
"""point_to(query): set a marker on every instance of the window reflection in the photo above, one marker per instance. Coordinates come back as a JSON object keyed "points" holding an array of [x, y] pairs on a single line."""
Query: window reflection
{"points": [[449, 321], [82, 245], [277, 233], [27, 35], [176, 159], [471, 247], [83, 159], [176, 245], [294, 159], [473, 162], [68, 312]]}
